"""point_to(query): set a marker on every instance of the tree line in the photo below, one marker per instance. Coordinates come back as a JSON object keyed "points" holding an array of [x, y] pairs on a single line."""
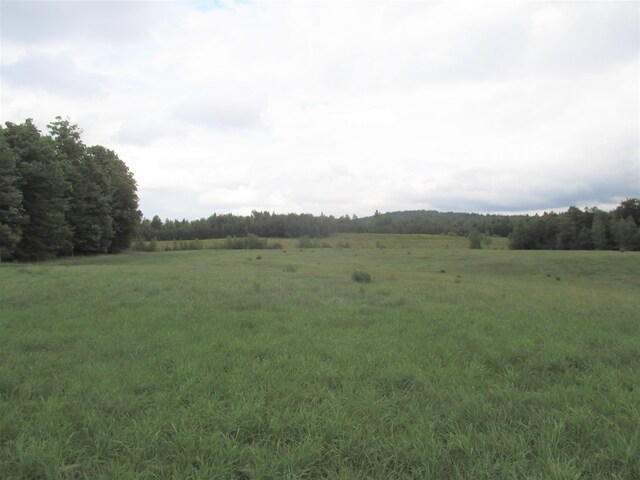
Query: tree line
{"points": [[575, 229], [59, 197], [587, 229], [292, 225]]}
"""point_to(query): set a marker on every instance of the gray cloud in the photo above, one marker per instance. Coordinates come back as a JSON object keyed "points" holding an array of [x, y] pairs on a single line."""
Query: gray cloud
{"points": [[575, 37], [56, 74], [340, 107], [47, 22], [557, 38], [229, 114]]}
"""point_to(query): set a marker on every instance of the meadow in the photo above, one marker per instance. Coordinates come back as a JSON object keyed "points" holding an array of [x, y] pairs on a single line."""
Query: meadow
{"points": [[271, 364]]}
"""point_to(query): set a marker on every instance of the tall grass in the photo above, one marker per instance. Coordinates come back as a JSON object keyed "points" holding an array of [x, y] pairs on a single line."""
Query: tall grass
{"points": [[211, 364]]}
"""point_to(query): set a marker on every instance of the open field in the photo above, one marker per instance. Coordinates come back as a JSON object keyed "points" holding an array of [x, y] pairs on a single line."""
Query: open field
{"points": [[452, 363], [357, 240]]}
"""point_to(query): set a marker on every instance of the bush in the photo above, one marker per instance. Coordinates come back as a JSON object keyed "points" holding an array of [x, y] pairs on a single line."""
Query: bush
{"points": [[475, 240], [361, 276], [251, 242], [233, 243], [305, 242]]}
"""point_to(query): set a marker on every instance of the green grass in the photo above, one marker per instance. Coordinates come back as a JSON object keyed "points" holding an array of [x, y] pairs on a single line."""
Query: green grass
{"points": [[357, 240], [452, 363]]}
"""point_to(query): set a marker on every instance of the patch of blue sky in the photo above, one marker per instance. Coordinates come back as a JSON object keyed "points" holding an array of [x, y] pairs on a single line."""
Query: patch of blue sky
{"points": [[207, 5]]}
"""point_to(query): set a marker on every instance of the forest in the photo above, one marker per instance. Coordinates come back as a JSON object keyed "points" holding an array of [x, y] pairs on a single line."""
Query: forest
{"points": [[59, 197], [575, 229], [292, 225]]}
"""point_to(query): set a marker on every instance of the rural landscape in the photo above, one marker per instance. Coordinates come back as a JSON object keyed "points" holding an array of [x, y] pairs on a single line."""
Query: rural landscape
{"points": [[321, 355], [319, 240]]}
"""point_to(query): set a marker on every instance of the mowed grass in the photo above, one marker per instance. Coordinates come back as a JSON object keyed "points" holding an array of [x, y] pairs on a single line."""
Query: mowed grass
{"points": [[451, 363]]}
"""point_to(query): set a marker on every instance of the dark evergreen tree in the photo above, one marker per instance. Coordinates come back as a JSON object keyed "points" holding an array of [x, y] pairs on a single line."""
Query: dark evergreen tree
{"points": [[599, 231], [585, 239], [475, 239], [519, 238], [89, 214], [629, 208], [566, 237], [58, 197], [44, 186], [121, 196], [11, 212], [626, 234]]}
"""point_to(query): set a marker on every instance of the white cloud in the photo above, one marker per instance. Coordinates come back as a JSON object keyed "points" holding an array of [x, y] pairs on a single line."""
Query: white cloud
{"points": [[340, 107]]}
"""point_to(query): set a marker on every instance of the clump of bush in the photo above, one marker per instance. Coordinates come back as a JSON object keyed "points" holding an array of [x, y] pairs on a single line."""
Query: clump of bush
{"points": [[141, 246], [475, 240], [290, 268], [250, 242], [305, 242], [361, 276]]}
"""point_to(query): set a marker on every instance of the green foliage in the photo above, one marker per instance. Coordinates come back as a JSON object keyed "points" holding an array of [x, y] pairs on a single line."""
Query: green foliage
{"points": [[576, 229], [291, 225], [519, 237], [69, 199], [250, 242], [11, 211], [627, 234], [599, 231], [628, 208], [475, 240], [121, 192], [44, 188], [306, 242], [361, 276], [253, 242]]}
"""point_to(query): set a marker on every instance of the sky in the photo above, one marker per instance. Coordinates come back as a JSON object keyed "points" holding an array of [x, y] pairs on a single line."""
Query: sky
{"points": [[340, 107]]}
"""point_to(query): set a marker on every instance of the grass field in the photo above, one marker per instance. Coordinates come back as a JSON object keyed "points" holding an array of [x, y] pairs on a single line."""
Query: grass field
{"points": [[357, 240], [451, 363]]}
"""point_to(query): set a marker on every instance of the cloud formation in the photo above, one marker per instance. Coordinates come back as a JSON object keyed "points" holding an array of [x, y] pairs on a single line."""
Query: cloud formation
{"points": [[343, 107]]}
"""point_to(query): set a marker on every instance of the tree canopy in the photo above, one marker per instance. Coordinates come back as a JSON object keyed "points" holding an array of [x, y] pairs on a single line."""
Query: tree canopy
{"points": [[59, 197]]}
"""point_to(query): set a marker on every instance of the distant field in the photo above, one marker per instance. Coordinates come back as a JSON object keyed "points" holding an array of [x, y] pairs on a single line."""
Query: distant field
{"points": [[359, 240], [451, 363]]}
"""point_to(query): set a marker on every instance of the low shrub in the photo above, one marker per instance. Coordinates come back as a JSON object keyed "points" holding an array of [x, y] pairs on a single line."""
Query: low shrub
{"points": [[361, 276], [305, 242], [250, 242]]}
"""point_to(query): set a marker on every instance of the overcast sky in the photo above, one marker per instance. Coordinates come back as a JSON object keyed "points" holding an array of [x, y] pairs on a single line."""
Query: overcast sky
{"points": [[340, 107]]}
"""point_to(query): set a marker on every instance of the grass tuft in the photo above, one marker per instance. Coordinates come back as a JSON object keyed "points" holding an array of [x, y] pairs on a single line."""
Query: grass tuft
{"points": [[361, 276]]}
